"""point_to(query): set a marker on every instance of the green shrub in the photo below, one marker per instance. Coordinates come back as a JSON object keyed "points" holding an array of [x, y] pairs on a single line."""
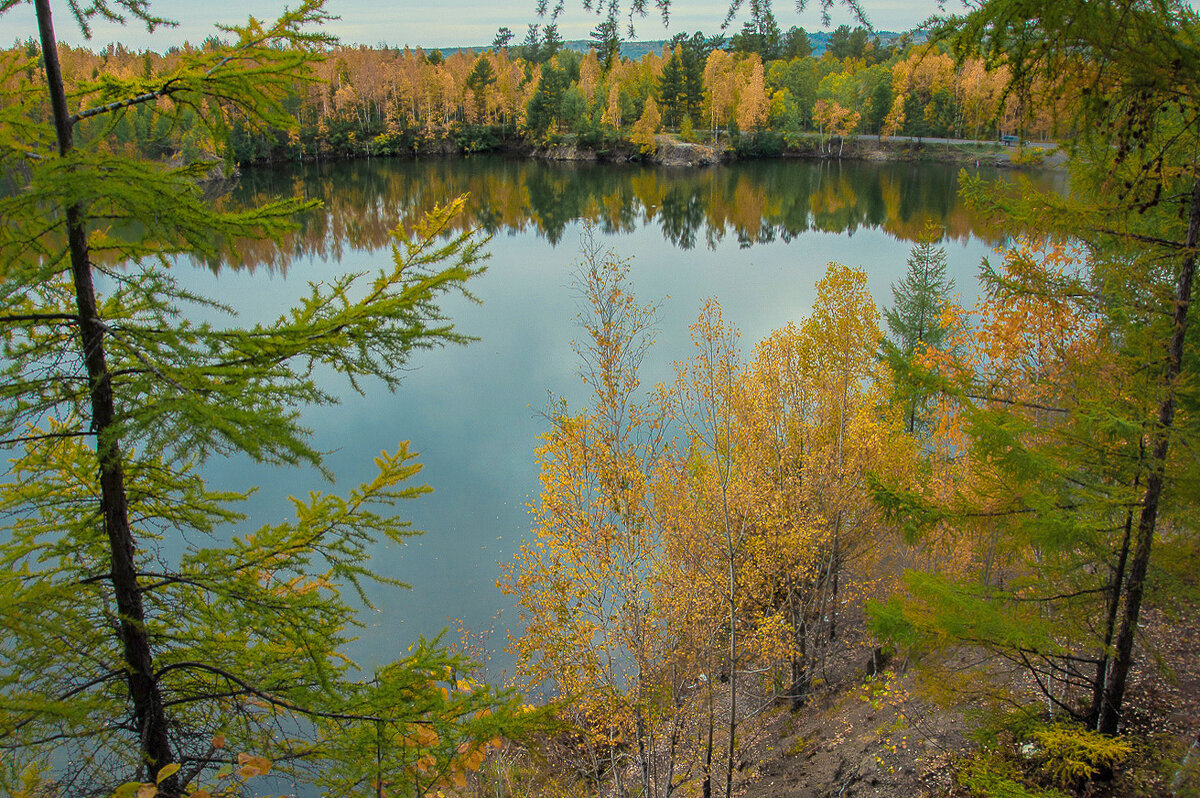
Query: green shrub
{"points": [[1071, 754], [988, 776], [1020, 750], [1029, 156]]}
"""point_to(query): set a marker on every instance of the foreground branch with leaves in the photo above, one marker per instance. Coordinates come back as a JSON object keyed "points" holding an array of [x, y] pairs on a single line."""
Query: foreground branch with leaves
{"points": [[1076, 394], [147, 640]]}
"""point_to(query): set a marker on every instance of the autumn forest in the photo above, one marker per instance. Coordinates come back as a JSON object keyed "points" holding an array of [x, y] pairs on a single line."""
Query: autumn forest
{"points": [[760, 93]]}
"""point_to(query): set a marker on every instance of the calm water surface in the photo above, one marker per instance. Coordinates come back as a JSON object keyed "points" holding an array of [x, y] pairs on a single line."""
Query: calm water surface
{"points": [[756, 236]]}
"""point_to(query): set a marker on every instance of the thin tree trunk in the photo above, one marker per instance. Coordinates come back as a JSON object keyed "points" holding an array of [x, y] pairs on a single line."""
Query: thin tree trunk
{"points": [[644, 751], [706, 787], [149, 717], [677, 701], [379, 791], [618, 782], [835, 567], [1114, 693], [732, 674], [1116, 582], [801, 672]]}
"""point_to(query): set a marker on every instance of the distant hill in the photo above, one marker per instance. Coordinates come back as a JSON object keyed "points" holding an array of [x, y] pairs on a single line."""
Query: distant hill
{"points": [[636, 50]]}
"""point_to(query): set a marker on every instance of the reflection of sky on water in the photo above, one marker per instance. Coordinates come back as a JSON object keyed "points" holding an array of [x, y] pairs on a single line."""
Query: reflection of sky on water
{"points": [[473, 412]]}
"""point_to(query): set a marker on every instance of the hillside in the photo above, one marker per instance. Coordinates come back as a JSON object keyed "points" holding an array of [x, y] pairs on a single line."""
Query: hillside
{"points": [[637, 50], [896, 730], [878, 727]]}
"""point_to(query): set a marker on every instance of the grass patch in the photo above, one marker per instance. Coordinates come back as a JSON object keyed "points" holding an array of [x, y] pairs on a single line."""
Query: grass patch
{"points": [[798, 747]]}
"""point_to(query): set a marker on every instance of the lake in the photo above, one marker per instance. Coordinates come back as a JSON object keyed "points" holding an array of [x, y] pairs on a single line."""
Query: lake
{"points": [[756, 235]]}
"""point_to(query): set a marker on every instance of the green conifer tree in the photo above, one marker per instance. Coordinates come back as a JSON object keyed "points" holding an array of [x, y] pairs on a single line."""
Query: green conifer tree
{"points": [[1078, 475], [606, 40], [503, 38], [796, 44], [695, 54], [481, 77], [542, 114], [531, 46], [915, 321], [551, 43], [670, 90], [760, 34]]}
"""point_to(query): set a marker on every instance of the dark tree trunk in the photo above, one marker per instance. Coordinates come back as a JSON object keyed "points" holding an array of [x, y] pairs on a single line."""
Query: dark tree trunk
{"points": [[1115, 583], [706, 787], [835, 568], [643, 753], [1114, 692], [801, 673], [148, 713]]}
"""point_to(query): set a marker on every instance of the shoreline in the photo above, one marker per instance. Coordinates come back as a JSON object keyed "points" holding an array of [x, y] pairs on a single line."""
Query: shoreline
{"points": [[671, 152]]}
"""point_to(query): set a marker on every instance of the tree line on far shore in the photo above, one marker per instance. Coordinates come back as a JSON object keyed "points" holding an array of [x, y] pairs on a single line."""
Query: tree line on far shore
{"points": [[759, 93]]}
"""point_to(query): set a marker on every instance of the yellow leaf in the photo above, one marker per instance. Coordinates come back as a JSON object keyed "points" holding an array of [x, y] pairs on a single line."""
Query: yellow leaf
{"points": [[426, 736], [167, 772], [475, 760], [253, 766], [218, 742], [147, 791], [127, 789]]}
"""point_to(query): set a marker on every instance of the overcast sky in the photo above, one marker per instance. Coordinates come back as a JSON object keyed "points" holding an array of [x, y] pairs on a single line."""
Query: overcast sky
{"points": [[437, 23]]}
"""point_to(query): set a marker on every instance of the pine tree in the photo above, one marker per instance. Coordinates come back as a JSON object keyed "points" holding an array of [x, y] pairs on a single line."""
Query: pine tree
{"points": [[839, 42], [915, 321], [531, 46], [760, 34], [606, 40], [542, 115], [503, 38], [551, 43], [695, 53], [670, 89], [482, 76], [144, 639]]}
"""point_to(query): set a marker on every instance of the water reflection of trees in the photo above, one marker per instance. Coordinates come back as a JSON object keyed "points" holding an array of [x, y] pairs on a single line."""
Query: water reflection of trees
{"points": [[753, 203]]}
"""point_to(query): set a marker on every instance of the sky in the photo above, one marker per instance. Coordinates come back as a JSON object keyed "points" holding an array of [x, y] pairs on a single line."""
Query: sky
{"points": [[436, 23]]}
